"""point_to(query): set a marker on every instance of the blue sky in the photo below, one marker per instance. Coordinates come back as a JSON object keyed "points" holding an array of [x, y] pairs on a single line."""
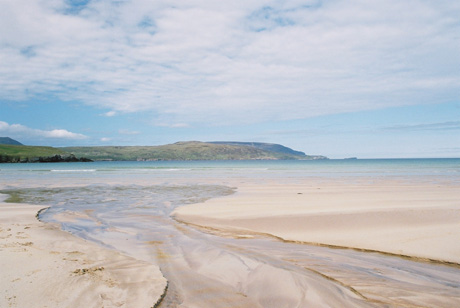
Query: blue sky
{"points": [[337, 78]]}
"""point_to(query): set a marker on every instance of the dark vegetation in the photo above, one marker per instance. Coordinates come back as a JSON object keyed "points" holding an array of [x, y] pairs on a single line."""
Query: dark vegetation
{"points": [[14, 152]]}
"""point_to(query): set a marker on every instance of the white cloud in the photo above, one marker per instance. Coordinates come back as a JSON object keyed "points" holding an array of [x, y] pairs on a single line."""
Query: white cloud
{"points": [[231, 62], [60, 133], [105, 139], [172, 125], [110, 113], [128, 132], [18, 130]]}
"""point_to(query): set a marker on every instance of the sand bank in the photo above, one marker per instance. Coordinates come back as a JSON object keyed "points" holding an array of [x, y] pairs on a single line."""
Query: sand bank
{"points": [[420, 220], [43, 266]]}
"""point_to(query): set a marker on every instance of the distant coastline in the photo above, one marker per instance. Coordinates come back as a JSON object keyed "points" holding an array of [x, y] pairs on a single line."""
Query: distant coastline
{"points": [[193, 150], [48, 159], [14, 152]]}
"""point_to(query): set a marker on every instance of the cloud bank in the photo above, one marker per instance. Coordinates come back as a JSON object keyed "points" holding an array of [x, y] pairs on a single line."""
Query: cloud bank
{"points": [[223, 62]]}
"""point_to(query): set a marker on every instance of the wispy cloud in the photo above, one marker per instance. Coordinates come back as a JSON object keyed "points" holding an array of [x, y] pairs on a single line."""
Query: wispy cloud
{"points": [[172, 125], [18, 130], [128, 132], [450, 125], [231, 61]]}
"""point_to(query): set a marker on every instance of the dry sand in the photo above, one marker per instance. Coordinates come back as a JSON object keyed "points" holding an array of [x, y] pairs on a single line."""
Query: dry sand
{"points": [[42, 266], [419, 219]]}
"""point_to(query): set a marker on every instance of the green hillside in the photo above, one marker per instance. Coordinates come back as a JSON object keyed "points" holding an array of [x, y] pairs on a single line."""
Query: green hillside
{"points": [[278, 148], [29, 151], [23, 153], [192, 150]]}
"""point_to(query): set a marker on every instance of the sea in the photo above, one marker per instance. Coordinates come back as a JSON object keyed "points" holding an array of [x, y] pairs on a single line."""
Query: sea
{"points": [[127, 206], [332, 168]]}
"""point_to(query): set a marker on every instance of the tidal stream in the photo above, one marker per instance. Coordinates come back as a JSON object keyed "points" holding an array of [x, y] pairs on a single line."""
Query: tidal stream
{"points": [[212, 269]]}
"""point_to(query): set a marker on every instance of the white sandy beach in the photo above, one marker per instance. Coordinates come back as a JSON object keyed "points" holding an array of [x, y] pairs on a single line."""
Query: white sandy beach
{"points": [[420, 220], [43, 266]]}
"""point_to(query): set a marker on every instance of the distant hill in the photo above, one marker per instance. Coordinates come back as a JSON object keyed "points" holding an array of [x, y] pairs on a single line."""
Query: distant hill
{"points": [[272, 147], [8, 140], [189, 150]]}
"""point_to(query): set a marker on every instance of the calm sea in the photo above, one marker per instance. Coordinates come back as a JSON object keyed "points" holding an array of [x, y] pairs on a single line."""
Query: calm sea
{"points": [[446, 168]]}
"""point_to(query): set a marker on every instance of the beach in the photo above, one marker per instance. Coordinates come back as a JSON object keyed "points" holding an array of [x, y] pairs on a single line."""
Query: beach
{"points": [[416, 220], [43, 266], [231, 234]]}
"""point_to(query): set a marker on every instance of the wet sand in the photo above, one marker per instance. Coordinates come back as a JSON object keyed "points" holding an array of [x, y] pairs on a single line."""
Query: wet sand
{"points": [[42, 266], [418, 220]]}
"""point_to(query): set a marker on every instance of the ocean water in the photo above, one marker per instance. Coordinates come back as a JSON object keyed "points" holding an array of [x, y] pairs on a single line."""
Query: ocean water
{"points": [[447, 168], [126, 206]]}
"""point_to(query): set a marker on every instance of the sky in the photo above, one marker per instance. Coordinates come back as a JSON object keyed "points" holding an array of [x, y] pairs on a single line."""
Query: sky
{"points": [[340, 78]]}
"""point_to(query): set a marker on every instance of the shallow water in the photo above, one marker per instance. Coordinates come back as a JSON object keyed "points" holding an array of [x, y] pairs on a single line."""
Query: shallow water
{"points": [[128, 209]]}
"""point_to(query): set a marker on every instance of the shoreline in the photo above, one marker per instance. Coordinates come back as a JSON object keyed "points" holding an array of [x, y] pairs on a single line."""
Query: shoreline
{"points": [[419, 222], [43, 265]]}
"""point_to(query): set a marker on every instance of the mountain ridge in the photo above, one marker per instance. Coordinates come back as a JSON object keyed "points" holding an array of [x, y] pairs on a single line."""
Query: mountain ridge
{"points": [[191, 150], [182, 150], [274, 147]]}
